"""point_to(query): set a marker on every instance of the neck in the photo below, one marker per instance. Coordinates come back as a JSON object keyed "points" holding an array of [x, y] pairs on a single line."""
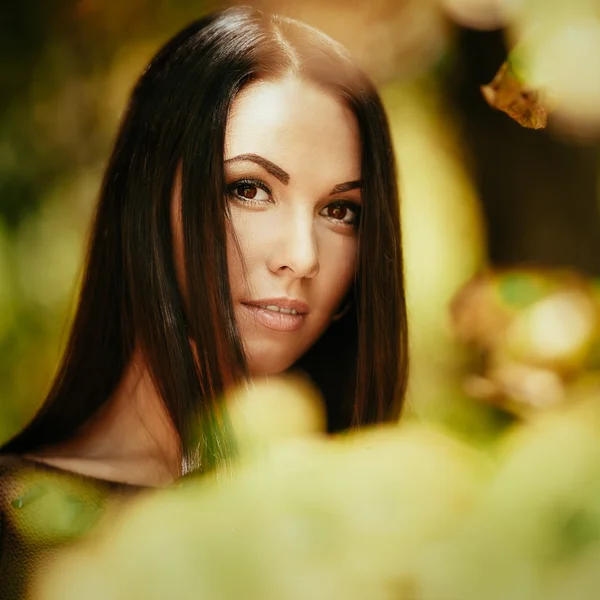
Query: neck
{"points": [[131, 440]]}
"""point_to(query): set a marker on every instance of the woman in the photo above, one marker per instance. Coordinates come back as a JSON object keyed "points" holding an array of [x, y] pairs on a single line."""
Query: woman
{"points": [[247, 225]]}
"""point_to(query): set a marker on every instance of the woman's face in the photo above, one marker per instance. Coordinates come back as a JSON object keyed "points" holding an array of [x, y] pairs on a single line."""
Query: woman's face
{"points": [[292, 167], [293, 170]]}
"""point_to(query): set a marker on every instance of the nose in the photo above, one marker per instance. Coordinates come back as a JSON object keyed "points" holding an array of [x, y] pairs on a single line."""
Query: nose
{"points": [[296, 248]]}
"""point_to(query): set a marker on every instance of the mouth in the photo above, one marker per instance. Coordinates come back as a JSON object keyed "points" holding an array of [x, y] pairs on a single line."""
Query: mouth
{"points": [[278, 314]]}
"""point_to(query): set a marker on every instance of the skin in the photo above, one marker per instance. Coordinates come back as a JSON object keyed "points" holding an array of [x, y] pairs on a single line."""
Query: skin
{"points": [[295, 241]]}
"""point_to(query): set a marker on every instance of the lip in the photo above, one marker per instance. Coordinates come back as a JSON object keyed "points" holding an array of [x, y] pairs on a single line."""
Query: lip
{"points": [[277, 321], [288, 303]]}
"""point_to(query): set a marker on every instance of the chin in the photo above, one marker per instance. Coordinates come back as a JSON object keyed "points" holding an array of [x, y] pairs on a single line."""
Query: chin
{"points": [[267, 363]]}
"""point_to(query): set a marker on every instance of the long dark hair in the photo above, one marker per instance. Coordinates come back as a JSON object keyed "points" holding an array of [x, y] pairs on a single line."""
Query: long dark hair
{"points": [[130, 297]]}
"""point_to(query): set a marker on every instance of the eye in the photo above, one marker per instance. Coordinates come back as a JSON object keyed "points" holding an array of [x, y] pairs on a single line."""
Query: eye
{"points": [[342, 212], [249, 191]]}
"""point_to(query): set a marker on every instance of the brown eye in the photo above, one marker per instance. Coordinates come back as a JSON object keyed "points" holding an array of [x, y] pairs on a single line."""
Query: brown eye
{"points": [[337, 212], [342, 212], [247, 191]]}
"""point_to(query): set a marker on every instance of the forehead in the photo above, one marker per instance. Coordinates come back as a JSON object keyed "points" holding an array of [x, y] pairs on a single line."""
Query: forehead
{"points": [[297, 125]]}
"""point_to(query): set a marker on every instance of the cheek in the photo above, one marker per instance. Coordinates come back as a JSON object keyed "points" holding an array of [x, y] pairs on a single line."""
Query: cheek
{"points": [[239, 253], [249, 244], [338, 262], [234, 261]]}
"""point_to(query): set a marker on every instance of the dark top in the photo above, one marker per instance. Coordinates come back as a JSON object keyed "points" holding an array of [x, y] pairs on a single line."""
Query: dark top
{"points": [[44, 509]]}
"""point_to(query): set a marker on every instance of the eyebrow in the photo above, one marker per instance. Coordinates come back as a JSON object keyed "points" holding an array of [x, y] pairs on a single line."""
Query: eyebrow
{"points": [[340, 188], [267, 165], [284, 177]]}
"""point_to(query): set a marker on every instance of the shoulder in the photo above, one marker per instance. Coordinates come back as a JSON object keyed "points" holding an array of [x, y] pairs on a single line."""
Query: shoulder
{"points": [[40, 511], [29, 489], [10, 463], [22, 482], [48, 505], [12, 469], [16, 471]]}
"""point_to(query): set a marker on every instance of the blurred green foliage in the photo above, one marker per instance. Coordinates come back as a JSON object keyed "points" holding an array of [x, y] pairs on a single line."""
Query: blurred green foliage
{"points": [[398, 513]]}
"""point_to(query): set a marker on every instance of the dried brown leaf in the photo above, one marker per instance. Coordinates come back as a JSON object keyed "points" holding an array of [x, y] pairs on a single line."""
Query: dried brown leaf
{"points": [[506, 92]]}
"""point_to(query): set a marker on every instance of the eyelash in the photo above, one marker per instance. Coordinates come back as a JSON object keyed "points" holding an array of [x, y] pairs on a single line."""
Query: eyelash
{"points": [[352, 206], [250, 183]]}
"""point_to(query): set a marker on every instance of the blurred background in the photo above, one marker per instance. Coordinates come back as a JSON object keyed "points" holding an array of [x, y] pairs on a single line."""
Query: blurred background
{"points": [[482, 195]]}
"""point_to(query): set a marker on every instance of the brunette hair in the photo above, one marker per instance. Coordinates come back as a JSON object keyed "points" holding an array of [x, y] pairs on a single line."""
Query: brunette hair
{"points": [[130, 297]]}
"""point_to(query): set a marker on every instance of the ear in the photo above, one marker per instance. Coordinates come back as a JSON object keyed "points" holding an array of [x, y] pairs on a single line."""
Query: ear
{"points": [[343, 310]]}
